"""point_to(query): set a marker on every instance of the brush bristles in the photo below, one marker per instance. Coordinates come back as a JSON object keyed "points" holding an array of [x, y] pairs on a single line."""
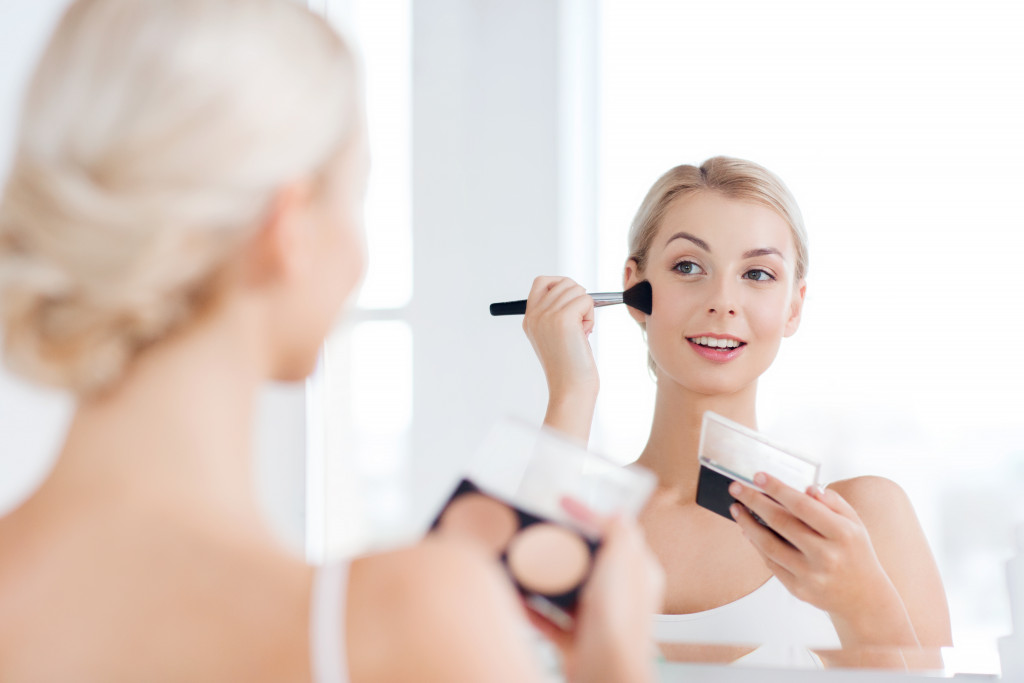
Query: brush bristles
{"points": [[640, 296]]}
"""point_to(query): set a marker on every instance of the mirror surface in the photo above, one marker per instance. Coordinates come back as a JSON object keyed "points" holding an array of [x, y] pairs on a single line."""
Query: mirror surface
{"points": [[897, 125]]}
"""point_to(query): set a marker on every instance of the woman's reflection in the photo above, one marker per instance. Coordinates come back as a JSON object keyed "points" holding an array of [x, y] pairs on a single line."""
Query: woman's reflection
{"points": [[725, 250]]}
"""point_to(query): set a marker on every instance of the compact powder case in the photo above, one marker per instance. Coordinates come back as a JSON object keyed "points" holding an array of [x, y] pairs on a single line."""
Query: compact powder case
{"points": [[730, 452], [547, 561]]}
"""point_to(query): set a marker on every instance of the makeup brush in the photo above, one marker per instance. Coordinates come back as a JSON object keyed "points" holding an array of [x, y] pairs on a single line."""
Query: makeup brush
{"points": [[638, 296]]}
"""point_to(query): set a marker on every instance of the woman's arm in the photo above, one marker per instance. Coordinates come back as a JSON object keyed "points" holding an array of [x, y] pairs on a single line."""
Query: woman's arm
{"points": [[559, 318], [903, 551], [438, 611], [444, 611], [864, 560]]}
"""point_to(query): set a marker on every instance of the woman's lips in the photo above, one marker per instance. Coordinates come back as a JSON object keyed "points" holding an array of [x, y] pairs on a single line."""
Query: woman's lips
{"points": [[716, 354]]}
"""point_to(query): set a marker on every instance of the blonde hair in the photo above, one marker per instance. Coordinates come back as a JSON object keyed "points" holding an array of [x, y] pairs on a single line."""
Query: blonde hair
{"points": [[733, 178], [153, 138]]}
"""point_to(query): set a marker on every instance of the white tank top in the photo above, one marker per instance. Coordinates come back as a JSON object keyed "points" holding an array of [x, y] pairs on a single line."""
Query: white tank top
{"points": [[785, 628], [327, 624]]}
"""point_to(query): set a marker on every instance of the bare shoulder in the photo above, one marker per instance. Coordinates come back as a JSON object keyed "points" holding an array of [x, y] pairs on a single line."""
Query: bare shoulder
{"points": [[903, 550], [442, 605], [881, 503], [445, 566]]}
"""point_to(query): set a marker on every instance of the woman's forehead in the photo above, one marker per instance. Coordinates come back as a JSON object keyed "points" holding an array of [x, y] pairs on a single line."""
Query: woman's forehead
{"points": [[712, 222]]}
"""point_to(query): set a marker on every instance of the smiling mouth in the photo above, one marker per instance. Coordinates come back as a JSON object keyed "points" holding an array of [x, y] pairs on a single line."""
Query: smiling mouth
{"points": [[715, 343]]}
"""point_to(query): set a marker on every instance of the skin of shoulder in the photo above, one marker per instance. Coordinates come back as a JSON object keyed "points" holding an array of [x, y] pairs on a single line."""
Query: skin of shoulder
{"points": [[439, 610], [903, 551]]}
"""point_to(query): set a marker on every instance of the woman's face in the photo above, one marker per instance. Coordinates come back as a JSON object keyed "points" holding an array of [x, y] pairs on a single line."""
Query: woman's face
{"points": [[342, 233], [331, 265], [722, 273]]}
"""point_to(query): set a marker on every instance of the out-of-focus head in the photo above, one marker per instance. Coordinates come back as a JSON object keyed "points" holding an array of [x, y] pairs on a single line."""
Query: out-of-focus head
{"points": [[158, 139]]}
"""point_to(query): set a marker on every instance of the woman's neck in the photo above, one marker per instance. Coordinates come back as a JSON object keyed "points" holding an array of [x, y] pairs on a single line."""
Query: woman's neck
{"points": [[174, 435], [671, 450]]}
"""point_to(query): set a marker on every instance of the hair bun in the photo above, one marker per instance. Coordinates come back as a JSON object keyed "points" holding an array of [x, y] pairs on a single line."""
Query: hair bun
{"points": [[143, 164]]}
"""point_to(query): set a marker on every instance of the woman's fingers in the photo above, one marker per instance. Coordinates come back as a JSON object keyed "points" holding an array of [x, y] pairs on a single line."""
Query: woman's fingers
{"points": [[559, 316], [774, 548], [833, 501], [776, 515], [544, 283], [558, 303], [573, 305], [583, 516], [545, 293], [824, 511]]}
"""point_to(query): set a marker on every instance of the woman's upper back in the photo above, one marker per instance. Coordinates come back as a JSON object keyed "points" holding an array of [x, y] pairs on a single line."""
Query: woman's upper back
{"points": [[120, 596], [125, 595]]}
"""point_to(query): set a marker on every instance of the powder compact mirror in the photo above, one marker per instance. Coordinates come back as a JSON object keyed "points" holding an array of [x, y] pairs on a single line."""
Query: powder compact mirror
{"points": [[729, 451], [511, 502]]}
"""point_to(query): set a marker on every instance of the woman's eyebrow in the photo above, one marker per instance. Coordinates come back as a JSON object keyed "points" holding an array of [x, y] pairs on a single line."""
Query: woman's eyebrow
{"points": [[763, 251], [687, 236]]}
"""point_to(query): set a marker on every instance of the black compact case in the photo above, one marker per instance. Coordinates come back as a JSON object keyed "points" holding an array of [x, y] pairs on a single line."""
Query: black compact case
{"points": [[558, 608], [729, 452], [713, 491]]}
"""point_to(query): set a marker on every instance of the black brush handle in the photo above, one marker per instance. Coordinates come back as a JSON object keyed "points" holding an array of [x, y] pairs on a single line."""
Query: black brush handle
{"points": [[509, 307]]}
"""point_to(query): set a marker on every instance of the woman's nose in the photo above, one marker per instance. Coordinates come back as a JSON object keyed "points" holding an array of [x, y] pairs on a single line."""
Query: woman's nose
{"points": [[722, 301]]}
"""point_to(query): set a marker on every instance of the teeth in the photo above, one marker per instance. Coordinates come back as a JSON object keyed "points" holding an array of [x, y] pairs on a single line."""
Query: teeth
{"points": [[715, 343]]}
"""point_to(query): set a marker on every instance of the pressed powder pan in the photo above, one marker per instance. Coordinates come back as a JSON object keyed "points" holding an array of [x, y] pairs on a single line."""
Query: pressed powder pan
{"points": [[481, 518], [548, 562], [548, 559]]}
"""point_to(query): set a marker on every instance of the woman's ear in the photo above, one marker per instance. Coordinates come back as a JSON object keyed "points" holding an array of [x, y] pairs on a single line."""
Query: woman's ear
{"points": [[281, 247], [796, 309], [631, 276]]}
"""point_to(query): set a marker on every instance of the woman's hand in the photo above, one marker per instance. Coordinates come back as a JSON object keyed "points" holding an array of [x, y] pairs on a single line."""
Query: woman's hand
{"points": [[818, 547], [613, 636], [559, 317]]}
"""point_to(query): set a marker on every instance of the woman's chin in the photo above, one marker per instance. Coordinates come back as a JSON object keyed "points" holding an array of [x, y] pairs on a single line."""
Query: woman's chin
{"points": [[709, 386], [295, 368]]}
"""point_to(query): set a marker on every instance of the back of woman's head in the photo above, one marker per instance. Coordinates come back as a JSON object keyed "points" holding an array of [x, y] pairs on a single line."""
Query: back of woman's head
{"points": [[154, 136], [734, 178]]}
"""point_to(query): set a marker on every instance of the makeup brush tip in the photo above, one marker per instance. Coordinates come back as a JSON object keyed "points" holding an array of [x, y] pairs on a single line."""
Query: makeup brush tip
{"points": [[640, 296]]}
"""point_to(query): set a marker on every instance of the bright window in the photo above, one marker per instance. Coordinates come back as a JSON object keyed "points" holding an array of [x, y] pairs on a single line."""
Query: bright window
{"points": [[360, 400]]}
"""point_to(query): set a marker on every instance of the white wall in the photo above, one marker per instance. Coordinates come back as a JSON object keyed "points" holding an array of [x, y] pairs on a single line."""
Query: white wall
{"points": [[492, 176]]}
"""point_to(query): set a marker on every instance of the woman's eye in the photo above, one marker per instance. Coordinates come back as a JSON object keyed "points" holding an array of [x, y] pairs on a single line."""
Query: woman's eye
{"points": [[688, 268], [758, 275]]}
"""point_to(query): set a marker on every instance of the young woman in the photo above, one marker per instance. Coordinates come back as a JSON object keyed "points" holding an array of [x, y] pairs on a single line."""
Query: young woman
{"points": [[182, 222], [724, 249]]}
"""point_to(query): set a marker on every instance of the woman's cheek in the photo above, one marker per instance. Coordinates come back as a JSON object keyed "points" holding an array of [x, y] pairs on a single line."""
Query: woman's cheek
{"points": [[768, 315]]}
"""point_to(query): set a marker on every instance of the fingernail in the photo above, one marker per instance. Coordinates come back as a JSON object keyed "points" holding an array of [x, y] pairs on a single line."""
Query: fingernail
{"points": [[734, 510], [735, 489], [815, 490], [760, 479]]}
